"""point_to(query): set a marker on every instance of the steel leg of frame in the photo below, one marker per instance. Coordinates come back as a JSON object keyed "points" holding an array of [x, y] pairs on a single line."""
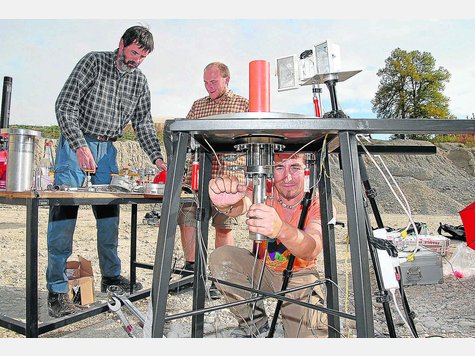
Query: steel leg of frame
{"points": [[166, 232], [329, 248], [133, 247], [201, 243], [357, 234]]}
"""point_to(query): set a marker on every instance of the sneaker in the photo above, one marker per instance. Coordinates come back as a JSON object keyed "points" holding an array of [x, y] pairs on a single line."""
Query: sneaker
{"points": [[214, 292], [119, 281], [249, 331], [60, 305]]}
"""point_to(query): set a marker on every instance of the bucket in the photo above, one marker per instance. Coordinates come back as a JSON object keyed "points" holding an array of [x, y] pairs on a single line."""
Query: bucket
{"points": [[21, 159]]}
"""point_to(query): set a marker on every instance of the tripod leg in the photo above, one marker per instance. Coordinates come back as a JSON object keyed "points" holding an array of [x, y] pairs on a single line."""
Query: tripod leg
{"points": [[370, 193], [383, 296]]}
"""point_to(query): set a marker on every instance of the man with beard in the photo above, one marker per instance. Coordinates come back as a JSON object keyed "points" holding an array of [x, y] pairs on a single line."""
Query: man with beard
{"points": [[104, 92]]}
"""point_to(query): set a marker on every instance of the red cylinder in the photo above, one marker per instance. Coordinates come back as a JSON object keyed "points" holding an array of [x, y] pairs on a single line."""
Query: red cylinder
{"points": [[195, 170], [259, 86], [317, 108]]}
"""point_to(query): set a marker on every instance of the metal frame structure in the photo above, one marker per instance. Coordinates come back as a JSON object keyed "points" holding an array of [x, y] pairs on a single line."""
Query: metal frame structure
{"points": [[221, 132], [33, 200]]}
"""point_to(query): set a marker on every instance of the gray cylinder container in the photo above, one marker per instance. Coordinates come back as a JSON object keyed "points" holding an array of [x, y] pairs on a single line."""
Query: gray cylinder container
{"points": [[21, 159]]}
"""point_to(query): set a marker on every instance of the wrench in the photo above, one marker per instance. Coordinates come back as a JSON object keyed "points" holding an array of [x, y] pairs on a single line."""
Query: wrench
{"points": [[132, 308], [125, 322]]}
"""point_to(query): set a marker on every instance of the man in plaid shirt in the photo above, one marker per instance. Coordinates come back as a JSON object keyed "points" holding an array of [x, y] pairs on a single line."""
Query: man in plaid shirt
{"points": [[104, 92], [221, 100]]}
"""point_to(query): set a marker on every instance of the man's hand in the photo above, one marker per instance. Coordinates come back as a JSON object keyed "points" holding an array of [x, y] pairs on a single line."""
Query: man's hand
{"points": [[85, 159], [162, 166], [225, 192], [263, 219]]}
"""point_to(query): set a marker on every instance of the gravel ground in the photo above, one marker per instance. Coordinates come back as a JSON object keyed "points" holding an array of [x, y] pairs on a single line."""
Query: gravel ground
{"points": [[442, 310]]}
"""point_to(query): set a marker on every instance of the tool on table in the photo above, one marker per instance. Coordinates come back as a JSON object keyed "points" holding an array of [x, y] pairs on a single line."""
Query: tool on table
{"points": [[125, 322], [87, 183]]}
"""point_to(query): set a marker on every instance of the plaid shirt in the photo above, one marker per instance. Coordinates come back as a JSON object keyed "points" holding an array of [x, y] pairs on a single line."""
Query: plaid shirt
{"points": [[99, 100], [225, 104]]}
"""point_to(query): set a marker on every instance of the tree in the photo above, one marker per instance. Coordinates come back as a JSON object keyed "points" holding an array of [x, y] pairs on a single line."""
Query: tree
{"points": [[411, 87]]}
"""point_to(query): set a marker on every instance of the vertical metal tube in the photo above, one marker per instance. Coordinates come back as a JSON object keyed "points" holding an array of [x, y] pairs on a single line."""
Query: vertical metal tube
{"points": [[260, 158], [258, 197], [6, 101]]}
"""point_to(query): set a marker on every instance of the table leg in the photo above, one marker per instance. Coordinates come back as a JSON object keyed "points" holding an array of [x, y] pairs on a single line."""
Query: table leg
{"points": [[31, 325]]}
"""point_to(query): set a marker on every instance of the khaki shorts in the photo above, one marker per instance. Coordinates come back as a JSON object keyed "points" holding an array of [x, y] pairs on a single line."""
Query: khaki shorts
{"points": [[187, 217]]}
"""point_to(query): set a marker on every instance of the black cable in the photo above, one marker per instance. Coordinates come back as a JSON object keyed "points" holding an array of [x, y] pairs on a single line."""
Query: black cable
{"points": [[288, 270], [382, 244]]}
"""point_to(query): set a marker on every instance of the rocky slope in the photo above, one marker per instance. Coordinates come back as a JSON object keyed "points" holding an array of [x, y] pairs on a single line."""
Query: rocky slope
{"points": [[435, 184]]}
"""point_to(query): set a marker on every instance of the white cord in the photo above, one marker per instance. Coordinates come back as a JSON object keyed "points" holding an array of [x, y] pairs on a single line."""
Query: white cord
{"points": [[214, 152], [406, 207], [393, 293], [411, 221], [301, 148]]}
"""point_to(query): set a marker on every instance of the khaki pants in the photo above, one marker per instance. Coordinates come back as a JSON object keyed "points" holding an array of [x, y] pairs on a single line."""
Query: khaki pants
{"points": [[235, 265], [187, 217]]}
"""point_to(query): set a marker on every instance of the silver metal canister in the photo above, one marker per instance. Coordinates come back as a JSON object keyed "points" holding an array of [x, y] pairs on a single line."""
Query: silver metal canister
{"points": [[154, 188], [21, 158]]}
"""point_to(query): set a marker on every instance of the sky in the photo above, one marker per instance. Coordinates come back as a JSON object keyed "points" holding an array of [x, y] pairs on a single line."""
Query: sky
{"points": [[40, 47]]}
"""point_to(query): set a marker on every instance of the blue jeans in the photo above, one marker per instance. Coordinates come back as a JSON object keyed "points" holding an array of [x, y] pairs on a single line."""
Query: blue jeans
{"points": [[62, 219]]}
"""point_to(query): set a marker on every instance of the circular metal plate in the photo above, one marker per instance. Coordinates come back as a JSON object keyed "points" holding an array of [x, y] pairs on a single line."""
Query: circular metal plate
{"points": [[256, 115], [259, 138]]}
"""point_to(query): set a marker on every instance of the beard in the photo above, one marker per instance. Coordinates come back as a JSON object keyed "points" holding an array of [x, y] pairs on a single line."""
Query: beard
{"points": [[124, 66]]}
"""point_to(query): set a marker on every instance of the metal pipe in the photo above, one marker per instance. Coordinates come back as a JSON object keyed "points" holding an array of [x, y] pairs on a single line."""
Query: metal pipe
{"points": [[6, 101], [258, 197], [259, 162]]}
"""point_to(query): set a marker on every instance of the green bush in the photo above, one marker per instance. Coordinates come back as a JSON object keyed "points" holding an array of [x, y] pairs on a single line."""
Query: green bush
{"points": [[467, 139]]}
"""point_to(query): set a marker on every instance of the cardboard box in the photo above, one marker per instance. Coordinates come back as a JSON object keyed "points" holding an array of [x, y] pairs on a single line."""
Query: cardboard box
{"points": [[426, 268], [81, 281]]}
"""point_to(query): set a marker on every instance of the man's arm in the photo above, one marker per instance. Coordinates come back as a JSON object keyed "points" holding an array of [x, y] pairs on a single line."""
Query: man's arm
{"points": [[145, 129], [228, 196], [306, 244], [67, 103]]}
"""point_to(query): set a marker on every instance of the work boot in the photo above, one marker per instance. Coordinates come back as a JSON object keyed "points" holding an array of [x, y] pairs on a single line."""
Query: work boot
{"points": [[60, 305], [189, 266], [119, 281], [214, 292]]}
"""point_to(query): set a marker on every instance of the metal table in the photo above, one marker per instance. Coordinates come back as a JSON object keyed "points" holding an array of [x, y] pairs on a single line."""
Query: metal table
{"points": [[33, 200], [221, 132]]}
